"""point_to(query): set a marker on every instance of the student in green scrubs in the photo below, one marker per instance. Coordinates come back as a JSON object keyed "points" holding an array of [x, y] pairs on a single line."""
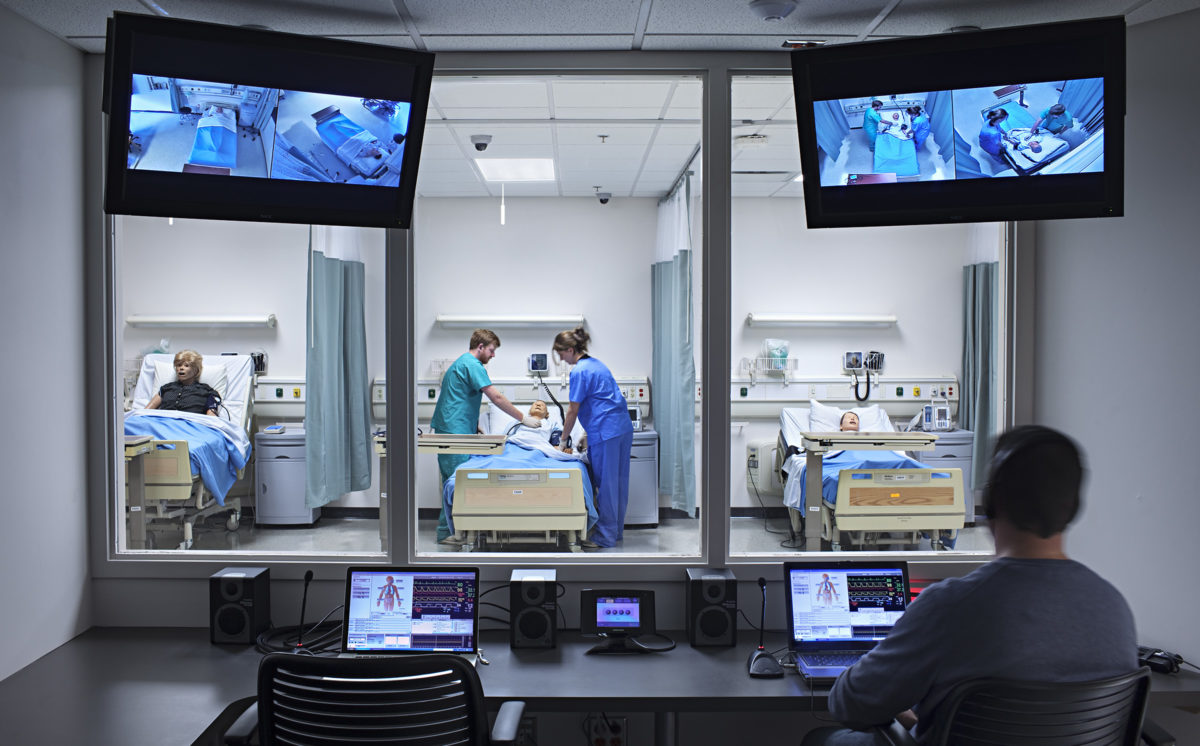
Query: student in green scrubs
{"points": [[464, 385]]}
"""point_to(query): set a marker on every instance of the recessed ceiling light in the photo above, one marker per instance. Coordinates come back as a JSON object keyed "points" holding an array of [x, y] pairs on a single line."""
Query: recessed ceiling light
{"points": [[772, 10], [516, 169], [750, 141]]}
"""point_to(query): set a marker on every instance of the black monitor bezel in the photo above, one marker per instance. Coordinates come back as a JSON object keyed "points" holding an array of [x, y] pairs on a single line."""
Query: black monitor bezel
{"points": [[589, 597], [139, 44], [1081, 49]]}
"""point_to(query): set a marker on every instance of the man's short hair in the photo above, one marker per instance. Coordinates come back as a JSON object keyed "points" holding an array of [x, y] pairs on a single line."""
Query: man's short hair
{"points": [[483, 337], [1057, 109], [1034, 480]]}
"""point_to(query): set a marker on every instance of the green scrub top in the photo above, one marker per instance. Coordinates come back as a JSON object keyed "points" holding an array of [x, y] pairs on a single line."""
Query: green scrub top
{"points": [[871, 120], [1055, 123], [457, 409]]}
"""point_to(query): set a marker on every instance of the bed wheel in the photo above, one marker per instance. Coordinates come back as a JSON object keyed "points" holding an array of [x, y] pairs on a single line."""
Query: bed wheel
{"points": [[232, 523]]}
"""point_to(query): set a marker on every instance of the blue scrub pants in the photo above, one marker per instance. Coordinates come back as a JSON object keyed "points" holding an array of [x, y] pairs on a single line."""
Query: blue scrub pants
{"points": [[447, 463], [610, 481]]}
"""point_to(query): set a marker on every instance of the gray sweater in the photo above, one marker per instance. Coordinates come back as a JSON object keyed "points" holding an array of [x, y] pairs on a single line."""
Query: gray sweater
{"points": [[1045, 620]]}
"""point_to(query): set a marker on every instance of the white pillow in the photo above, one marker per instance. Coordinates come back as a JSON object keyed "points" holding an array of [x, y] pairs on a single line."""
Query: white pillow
{"points": [[823, 418], [499, 423], [212, 373]]}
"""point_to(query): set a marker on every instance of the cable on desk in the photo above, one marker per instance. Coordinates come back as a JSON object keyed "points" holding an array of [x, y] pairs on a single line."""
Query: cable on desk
{"points": [[328, 640]]}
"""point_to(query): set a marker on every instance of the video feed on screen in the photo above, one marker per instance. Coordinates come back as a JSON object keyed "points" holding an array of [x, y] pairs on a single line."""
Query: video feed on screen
{"points": [[227, 129], [1012, 130]]}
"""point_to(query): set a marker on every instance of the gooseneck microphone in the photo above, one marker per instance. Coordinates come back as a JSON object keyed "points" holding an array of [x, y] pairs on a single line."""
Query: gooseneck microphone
{"points": [[762, 665], [308, 576]]}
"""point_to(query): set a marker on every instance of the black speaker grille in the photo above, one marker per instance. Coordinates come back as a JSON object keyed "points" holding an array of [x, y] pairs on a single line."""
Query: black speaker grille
{"points": [[232, 620], [714, 622]]}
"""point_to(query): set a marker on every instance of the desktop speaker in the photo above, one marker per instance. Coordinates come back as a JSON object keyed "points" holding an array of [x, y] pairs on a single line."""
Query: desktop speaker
{"points": [[711, 607], [533, 609], [239, 603]]}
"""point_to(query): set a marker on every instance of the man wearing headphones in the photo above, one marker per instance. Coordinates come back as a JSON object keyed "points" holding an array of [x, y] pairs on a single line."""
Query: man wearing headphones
{"points": [[1031, 613]]}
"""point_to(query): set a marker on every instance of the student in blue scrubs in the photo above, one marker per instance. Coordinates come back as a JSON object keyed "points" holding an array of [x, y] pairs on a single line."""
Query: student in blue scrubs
{"points": [[920, 125], [464, 385], [597, 402], [993, 134]]}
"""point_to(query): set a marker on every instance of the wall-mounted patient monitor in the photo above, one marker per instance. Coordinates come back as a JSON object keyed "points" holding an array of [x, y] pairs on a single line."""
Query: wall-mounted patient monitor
{"points": [[852, 361], [539, 362], [635, 417], [618, 616]]}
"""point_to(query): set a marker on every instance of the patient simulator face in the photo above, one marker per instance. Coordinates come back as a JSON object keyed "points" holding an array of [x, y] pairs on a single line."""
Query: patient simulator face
{"points": [[186, 372], [538, 409], [849, 422]]}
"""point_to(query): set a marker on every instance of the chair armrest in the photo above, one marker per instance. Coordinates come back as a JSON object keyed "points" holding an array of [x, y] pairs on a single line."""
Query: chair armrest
{"points": [[508, 721], [244, 728], [1154, 734], [895, 734]]}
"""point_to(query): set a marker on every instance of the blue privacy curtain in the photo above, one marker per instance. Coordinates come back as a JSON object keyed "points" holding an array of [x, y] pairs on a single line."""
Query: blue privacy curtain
{"points": [[337, 413], [1085, 100], [831, 125], [977, 401], [965, 165], [941, 122], [674, 366]]}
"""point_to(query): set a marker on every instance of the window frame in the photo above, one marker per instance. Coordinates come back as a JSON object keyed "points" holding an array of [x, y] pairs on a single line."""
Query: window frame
{"points": [[716, 70]]}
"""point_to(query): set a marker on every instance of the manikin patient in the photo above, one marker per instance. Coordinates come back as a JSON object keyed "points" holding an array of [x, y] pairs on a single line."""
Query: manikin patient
{"points": [[187, 393], [849, 423]]}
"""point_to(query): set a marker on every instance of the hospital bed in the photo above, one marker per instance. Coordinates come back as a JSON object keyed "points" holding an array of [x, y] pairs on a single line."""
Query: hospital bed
{"points": [[351, 142], [196, 458], [895, 149], [529, 493], [215, 145], [1023, 157], [864, 490]]}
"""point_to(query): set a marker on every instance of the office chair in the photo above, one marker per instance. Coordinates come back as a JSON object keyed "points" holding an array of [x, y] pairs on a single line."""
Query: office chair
{"points": [[423, 700], [991, 712]]}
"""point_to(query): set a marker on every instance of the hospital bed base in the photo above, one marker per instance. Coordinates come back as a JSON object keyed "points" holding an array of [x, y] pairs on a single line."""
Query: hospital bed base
{"points": [[477, 539]]}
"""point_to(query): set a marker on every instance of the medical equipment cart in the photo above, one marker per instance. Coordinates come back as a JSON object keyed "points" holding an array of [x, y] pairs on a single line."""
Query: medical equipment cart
{"points": [[642, 509], [953, 451]]}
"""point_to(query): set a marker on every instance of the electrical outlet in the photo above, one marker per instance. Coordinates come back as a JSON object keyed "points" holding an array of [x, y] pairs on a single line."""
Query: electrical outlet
{"points": [[527, 731], [606, 731]]}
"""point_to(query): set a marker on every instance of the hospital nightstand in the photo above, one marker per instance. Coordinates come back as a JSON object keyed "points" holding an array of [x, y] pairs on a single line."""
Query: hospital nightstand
{"points": [[643, 480]]}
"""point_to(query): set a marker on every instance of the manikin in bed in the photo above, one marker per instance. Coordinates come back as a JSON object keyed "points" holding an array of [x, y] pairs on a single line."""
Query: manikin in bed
{"points": [[354, 145], [882, 465], [197, 416], [528, 453], [216, 138]]}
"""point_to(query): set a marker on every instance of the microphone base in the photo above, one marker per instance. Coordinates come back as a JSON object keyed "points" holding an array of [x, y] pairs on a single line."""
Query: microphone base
{"points": [[762, 665]]}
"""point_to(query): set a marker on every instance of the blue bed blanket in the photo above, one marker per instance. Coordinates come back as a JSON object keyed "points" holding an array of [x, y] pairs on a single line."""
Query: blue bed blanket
{"points": [[216, 140], [518, 456], [896, 155], [216, 448], [832, 465]]}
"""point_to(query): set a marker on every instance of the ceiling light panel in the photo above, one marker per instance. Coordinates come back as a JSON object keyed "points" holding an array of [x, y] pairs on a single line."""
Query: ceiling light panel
{"points": [[516, 169]]}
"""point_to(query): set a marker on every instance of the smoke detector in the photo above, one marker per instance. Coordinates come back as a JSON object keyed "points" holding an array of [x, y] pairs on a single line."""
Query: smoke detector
{"points": [[772, 10]]}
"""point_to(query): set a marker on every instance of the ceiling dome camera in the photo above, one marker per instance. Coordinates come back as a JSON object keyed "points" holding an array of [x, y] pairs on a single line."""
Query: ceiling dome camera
{"points": [[604, 197], [481, 142]]}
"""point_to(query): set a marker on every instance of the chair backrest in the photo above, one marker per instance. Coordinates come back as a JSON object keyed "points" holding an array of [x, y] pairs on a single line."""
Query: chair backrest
{"points": [[425, 700], [1002, 711]]}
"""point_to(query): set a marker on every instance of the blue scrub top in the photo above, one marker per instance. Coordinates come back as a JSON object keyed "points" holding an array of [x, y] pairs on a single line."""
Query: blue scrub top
{"points": [[457, 409], [990, 139], [1053, 123], [603, 412], [920, 125]]}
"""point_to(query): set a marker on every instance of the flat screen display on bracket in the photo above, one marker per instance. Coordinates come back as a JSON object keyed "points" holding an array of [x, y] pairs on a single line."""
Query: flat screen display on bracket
{"points": [[1021, 123], [222, 122]]}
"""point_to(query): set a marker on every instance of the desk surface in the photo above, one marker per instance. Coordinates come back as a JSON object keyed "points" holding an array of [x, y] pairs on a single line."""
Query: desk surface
{"points": [[153, 686]]}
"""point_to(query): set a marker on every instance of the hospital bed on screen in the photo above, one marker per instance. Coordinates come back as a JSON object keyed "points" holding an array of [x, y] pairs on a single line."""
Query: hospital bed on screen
{"points": [[214, 150], [352, 142], [195, 458], [1031, 153], [858, 488]]}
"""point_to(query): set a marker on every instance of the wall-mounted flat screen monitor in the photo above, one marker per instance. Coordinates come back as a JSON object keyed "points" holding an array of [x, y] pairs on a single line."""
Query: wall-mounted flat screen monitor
{"points": [[1013, 124], [212, 121]]}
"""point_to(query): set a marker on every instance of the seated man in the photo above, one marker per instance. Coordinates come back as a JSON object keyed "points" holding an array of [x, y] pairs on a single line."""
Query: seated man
{"points": [[1030, 613]]}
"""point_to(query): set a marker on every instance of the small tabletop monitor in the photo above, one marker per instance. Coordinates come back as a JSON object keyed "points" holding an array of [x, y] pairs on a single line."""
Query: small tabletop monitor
{"points": [[617, 615]]}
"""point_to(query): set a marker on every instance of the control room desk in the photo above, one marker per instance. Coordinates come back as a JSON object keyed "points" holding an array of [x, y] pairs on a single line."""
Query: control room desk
{"points": [[152, 686]]}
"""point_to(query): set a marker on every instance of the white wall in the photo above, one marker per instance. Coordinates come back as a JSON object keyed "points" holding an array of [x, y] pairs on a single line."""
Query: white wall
{"points": [[1115, 298], [43, 534]]}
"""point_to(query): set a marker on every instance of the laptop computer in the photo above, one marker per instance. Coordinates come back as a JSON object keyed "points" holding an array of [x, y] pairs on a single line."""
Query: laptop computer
{"points": [[839, 610], [411, 610]]}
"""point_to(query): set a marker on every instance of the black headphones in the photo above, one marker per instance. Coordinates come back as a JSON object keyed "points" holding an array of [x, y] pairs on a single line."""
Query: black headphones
{"points": [[1018, 441]]}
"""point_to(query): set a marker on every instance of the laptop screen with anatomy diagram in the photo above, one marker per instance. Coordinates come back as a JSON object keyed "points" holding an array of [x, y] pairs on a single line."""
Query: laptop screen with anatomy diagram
{"points": [[401, 610]]}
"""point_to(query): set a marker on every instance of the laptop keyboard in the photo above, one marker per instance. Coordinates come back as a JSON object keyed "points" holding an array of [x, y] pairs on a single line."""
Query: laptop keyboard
{"points": [[831, 659]]}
